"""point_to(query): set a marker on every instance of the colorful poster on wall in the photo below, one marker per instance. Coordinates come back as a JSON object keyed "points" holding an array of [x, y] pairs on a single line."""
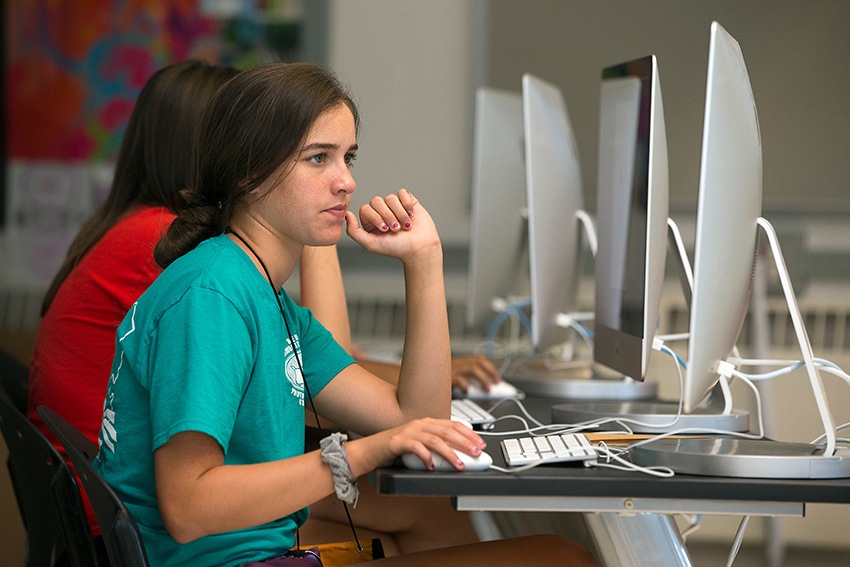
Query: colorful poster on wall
{"points": [[75, 67], [73, 71]]}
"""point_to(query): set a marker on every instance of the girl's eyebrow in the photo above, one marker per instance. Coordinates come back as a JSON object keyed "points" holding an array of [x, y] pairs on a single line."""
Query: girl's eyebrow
{"points": [[325, 146]]}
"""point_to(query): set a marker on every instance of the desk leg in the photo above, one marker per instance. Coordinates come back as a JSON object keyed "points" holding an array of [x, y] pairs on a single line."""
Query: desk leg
{"points": [[633, 540]]}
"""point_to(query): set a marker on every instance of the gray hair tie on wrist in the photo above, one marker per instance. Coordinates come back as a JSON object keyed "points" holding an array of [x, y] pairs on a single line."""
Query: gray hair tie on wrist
{"points": [[333, 453]]}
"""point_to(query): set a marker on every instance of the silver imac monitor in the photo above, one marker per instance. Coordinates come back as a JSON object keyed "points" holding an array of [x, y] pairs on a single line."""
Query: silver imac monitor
{"points": [[554, 193], [497, 240], [730, 199], [631, 216]]}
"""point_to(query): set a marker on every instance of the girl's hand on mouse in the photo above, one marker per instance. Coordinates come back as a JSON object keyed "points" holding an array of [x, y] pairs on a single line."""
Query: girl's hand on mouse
{"points": [[396, 225], [474, 368], [421, 437]]}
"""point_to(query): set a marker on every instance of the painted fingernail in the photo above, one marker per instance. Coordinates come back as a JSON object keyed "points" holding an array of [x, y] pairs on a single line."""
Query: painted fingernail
{"points": [[407, 225], [395, 226], [410, 213], [384, 227]]}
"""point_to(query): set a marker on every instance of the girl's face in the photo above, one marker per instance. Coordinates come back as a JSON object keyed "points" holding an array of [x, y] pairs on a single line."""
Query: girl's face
{"points": [[310, 193]]}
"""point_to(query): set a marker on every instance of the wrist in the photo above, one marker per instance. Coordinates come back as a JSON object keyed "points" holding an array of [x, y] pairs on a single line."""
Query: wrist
{"points": [[428, 260], [425, 256], [354, 455]]}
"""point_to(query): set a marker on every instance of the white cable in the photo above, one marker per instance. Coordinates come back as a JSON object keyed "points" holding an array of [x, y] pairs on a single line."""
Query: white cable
{"points": [[693, 526], [739, 538], [589, 229], [674, 337], [602, 450], [790, 366], [759, 409], [817, 440], [684, 262]]}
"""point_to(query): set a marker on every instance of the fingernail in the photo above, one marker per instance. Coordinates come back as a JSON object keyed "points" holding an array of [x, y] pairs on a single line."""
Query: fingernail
{"points": [[410, 213], [407, 225], [395, 226], [384, 227], [476, 450]]}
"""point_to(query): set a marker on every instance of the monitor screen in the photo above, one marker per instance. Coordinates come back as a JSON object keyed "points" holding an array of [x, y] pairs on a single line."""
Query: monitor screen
{"points": [[730, 197], [631, 216], [497, 241], [553, 183]]}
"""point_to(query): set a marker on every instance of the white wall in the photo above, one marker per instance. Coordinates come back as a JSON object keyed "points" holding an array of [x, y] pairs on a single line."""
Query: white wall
{"points": [[413, 67], [796, 57]]}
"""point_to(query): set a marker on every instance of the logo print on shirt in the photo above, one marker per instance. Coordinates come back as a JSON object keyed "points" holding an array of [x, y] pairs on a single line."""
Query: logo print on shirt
{"points": [[292, 370]]}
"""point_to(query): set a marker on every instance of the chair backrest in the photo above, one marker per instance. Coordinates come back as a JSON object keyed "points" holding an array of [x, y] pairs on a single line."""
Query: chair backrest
{"points": [[118, 527], [14, 378], [48, 496]]}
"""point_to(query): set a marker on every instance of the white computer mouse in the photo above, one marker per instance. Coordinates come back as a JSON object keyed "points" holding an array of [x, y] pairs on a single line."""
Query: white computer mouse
{"points": [[498, 391], [473, 464]]}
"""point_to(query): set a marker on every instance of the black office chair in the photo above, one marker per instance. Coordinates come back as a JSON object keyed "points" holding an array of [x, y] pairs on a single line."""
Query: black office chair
{"points": [[48, 496], [118, 527], [14, 376]]}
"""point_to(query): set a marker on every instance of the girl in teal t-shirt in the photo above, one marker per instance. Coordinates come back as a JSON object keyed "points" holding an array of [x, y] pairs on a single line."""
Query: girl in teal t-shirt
{"points": [[203, 423]]}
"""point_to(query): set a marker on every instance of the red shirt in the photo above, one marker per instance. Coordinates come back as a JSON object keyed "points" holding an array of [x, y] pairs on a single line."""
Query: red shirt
{"points": [[76, 339]]}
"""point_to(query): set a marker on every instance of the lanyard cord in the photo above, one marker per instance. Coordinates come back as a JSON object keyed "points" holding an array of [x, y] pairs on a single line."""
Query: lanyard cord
{"points": [[300, 369], [285, 321]]}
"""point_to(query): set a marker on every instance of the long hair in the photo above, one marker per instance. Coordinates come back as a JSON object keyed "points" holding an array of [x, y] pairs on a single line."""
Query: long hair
{"points": [[255, 123], [155, 159]]}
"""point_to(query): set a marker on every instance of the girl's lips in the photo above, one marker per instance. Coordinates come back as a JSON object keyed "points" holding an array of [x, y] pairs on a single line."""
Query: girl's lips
{"points": [[338, 211]]}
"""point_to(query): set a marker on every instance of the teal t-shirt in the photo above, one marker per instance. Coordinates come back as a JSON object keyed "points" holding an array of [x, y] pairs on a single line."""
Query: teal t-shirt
{"points": [[205, 349]]}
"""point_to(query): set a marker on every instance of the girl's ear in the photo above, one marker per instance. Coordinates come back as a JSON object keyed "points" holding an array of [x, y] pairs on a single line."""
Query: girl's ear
{"points": [[255, 192]]}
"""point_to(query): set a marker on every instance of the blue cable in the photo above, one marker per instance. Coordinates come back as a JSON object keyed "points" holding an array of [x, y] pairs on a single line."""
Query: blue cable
{"points": [[510, 310]]}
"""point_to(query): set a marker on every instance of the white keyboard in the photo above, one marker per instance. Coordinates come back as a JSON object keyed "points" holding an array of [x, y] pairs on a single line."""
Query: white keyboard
{"points": [[470, 412], [557, 448]]}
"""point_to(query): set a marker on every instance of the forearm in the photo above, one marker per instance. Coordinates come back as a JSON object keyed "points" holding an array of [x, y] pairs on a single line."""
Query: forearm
{"points": [[323, 291], [199, 495], [424, 385], [231, 497], [400, 227]]}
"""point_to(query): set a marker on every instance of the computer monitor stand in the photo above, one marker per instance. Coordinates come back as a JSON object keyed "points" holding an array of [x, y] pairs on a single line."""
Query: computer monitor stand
{"points": [[656, 416], [760, 458], [580, 383]]}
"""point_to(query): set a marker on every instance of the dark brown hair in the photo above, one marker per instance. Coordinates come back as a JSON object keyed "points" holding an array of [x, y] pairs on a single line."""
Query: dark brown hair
{"points": [[155, 159], [255, 123]]}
